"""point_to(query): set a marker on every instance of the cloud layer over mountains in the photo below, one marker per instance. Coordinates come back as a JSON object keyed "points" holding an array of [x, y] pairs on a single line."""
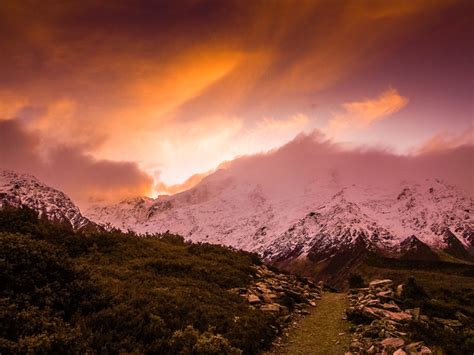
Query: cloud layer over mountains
{"points": [[69, 168], [312, 157]]}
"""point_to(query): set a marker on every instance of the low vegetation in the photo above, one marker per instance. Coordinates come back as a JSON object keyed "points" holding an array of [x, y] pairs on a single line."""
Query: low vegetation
{"points": [[111, 292], [442, 290]]}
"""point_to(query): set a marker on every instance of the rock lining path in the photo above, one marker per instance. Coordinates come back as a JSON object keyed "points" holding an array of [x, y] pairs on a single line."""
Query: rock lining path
{"points": [[324, 331]]}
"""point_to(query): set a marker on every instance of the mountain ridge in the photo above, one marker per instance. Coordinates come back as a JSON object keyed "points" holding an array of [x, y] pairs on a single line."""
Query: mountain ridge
{"points": [[320, 221], [19, 190], [323, 218]]}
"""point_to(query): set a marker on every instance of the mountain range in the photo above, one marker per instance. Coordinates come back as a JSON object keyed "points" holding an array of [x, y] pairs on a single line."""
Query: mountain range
{"points": [[327, 223]]}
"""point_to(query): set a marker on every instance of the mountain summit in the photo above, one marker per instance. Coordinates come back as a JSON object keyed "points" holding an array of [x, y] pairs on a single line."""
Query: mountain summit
{"points": [[316, 221], [24, 190]]}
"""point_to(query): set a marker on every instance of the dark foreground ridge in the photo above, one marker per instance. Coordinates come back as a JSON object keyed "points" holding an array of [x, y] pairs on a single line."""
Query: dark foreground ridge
{"points": [[73, 292]]}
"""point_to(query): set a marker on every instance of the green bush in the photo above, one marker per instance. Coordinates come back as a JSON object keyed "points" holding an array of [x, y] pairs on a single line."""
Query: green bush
{"points": [[356, 281], [112, 292]]}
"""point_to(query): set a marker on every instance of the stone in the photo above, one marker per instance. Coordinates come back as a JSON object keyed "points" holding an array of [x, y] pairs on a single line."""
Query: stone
{"points": [[391, 307], [356, 346], [425, 351], [393, 342], [399, 291], [269, 297], [380, 283], [253, 299], [453, 323], [272, 307], [462, 317], [396, 316], [400, 352], [414, 347], [415, 312], [385, 294], [298, 297]]}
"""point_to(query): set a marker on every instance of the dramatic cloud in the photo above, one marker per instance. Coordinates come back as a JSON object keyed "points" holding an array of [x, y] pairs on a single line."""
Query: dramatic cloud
{"points": [[313, 158], [10, 104], [364, 113], [162, 188], [447, 141], [178, 87], [69, 168]]}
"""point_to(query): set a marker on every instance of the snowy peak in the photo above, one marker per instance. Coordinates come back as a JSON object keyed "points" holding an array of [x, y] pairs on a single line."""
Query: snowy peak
{"points": [[316, 218], [23, 190], [414, 249]]}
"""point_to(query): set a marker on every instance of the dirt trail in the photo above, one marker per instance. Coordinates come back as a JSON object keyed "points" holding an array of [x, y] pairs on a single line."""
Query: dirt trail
{"points": [[322, 332]]}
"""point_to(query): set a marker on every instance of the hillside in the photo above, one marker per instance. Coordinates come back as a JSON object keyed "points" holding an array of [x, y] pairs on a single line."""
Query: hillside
{"points": [[95, 292]]}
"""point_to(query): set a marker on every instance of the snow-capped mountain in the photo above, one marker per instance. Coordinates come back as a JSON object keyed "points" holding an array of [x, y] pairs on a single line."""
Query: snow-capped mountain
{"points": [[23, 190], [315, 220]]}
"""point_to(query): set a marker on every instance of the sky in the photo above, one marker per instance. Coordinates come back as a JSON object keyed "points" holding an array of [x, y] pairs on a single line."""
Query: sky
{"points": [[108, 99]]}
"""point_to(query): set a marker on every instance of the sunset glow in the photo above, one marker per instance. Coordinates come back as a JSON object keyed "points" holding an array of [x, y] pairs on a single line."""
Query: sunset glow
{"points": [[141, 100]]}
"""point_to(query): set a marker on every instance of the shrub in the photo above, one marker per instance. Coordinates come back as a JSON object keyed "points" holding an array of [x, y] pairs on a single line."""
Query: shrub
{"points": [[113, 292], [356, 281]]}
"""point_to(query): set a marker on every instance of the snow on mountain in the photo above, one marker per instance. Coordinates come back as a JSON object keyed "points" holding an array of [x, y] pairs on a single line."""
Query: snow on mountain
{"points": [[23, 190], [316, 219]]}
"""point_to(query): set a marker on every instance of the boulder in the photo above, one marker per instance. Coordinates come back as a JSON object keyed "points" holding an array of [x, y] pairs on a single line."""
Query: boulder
{"points": [[393, 342], [272, 307], [391, 307], [400, 352], [380, 283], [396, 316], [425, 351], [453, 323], [253, 299], [399, 291]]}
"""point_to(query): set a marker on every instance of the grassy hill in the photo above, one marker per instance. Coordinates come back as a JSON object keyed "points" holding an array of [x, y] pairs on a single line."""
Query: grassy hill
{"points": [[111, 292]]}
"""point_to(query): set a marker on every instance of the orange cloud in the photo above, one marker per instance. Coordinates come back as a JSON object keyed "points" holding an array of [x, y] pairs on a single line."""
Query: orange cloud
{"points": [[192, 85], [193, 180], [447, 141], [10, 104], [69, 167], [364, 113]]}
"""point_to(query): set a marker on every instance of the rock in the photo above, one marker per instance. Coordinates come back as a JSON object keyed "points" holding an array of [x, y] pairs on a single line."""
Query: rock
{"points": [[414, 347], [269, 297], [396, 316], [415, 312], [385, 294], [399, 291], [453, 323], [425, 351], [253, 299], [356, 346], [380, 283], [389, 324], [391, 307], [298, 297], [272, 307], [393, 342], [462, 317]]}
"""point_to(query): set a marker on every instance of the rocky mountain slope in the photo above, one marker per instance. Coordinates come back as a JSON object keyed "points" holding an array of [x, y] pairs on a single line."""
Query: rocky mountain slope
{"points": [[317, 220], [23, 190], [323, 220]]}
